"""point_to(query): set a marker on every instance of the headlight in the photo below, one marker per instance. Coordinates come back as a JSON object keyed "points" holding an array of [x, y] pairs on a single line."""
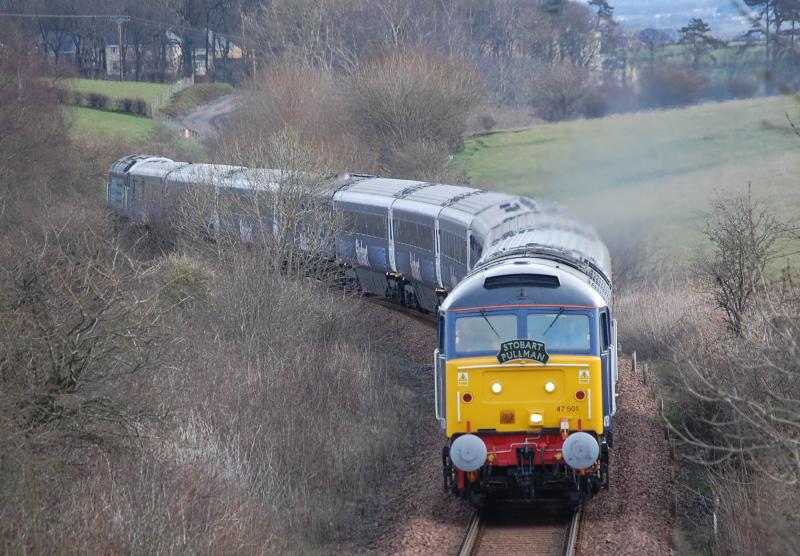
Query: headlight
{"points": [[550, 387], [536, 418], [497, 387]]}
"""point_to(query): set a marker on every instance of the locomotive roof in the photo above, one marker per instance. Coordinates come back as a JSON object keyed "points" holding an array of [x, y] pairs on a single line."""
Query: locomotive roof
{"points": [[531, 281], [154, 167], [574, 241], [124, 164]]}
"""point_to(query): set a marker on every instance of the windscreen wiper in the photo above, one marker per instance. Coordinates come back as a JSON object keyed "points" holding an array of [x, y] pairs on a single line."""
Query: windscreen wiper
{"points": [[560, 312], [483, 314]]}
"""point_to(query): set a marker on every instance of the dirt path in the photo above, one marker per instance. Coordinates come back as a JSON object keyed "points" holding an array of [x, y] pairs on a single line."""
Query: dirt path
{"points": [[208, 117]]}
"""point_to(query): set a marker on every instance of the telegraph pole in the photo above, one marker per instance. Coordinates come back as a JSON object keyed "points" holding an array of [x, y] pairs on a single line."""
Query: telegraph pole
{"points": [[120, 20]]}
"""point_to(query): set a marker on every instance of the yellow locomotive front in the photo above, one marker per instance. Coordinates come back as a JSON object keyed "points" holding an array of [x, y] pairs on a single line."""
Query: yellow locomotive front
{"points": [[525, 380]]}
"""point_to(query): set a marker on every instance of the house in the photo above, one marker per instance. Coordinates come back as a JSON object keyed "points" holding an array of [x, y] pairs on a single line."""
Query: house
{"points": [[168, 56]]}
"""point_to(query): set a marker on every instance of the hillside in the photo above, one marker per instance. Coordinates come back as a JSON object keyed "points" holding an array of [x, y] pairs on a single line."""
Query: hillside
{"points": [[724, 16], [653, 171]]}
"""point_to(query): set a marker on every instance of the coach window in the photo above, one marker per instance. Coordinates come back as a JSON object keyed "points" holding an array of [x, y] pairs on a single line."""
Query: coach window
{"points": [[413, 234], [453, 247], [366, 224]]}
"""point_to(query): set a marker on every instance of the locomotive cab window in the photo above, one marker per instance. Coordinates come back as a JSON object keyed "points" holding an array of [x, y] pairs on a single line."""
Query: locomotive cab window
{"points": [[561, 331], [484, 332]]}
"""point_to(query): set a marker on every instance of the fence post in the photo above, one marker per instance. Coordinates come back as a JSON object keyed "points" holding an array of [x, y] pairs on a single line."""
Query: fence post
{"points": [[644, 374], [634, 361]]}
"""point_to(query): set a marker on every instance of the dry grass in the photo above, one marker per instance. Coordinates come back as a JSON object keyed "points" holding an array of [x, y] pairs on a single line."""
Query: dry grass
{"points": [[278, 419]]}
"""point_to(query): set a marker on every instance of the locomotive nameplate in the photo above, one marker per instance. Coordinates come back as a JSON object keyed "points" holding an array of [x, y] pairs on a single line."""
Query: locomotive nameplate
{"points": [[530, 350]]}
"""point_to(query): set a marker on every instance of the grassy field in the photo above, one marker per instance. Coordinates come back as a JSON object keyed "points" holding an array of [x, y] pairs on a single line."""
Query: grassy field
{"points": [[653, 172], [119, 89], [96, 122]]}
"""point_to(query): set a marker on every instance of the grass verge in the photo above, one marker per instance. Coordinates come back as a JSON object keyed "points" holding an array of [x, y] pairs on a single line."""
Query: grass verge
{"points": [[188, 99]]}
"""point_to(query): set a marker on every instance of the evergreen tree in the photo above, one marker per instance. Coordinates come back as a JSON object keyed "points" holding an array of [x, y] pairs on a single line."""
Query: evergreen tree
{"points": [[697, 36], [553, 7], [605, 11]]}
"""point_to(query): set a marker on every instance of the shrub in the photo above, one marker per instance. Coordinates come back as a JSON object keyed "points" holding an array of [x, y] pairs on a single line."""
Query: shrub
{"points": [[125, 105], [98, 101], [559, 91], [596, 104], [404, 97], [185, 279], [741, 87], [668, 85], [487, 122], [141, 107], [78, 98]]}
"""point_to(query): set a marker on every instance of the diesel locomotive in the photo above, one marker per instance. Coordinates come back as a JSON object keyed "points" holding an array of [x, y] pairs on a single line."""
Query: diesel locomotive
{"points": [[525, 366]]}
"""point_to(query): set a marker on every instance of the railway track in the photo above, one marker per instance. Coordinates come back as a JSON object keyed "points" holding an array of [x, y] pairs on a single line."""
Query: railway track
{"points": [[522, 533]]}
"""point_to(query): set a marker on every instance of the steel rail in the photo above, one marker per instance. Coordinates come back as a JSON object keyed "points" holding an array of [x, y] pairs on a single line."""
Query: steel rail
{"points": [[479, 532], [470, 541], [572, 532]]}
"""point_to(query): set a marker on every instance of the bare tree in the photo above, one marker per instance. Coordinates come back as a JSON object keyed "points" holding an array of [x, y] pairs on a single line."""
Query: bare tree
{"points": [[558, 91], [405, 97], [745, 236], [78, 336], [653, 39]]}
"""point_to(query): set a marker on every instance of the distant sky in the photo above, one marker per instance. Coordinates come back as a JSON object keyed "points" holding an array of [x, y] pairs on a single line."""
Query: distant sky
{"points": [[723, 16]]}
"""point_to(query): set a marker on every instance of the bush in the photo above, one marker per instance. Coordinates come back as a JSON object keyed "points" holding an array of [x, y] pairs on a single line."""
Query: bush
{"points": [[141, 107], [741, 87], [185, 279], [559, 91], [668, 85], [98, 101], [596, 104], [487, 122], [78, 98], [125, 105], [403, 97]]}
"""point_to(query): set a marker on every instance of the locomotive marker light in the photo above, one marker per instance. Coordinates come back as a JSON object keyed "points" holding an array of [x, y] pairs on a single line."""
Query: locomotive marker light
{"points": [[497, 388], [580, 450], [468, 452], [536, 418], [550, 387]]}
